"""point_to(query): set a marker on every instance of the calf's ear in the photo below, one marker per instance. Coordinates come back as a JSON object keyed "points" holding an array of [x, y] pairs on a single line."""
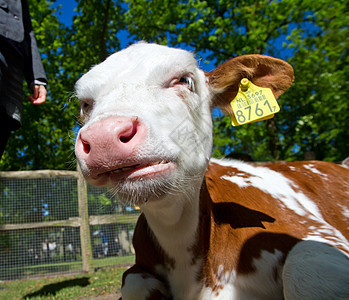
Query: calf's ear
{"points": [[261, 70]]}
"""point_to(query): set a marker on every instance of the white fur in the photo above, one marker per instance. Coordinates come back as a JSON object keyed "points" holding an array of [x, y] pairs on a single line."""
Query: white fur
{"points": [[174, 125], [288, 194], [174, 222], [137, 83], [312, 168], [138, 287], [262, 284], [259, 285], [273, 183]]}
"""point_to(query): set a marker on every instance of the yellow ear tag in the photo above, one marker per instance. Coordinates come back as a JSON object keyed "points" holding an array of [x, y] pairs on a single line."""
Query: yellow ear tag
{"points": [[253, 103]]}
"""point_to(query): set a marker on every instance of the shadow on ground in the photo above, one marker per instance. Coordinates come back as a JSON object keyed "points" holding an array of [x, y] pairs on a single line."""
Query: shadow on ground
{"points": [[54, 288]]}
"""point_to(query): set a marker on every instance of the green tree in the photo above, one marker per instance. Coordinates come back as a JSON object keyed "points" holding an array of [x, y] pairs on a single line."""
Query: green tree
{"points": [[219, 30], [46, 139], [93, 35], [316, 110]]}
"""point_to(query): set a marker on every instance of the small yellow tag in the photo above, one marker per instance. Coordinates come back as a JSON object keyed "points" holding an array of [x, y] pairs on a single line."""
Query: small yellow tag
{"points": [[253, 103]]}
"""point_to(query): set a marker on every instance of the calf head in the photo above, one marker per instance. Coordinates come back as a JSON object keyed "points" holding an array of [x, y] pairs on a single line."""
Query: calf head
{"points": [[147, 116]]}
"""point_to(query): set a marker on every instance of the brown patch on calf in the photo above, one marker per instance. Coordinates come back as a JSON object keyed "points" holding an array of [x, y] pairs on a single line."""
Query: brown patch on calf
{"points": [[148, 250], [238, 216], [328, 191], [149, 254], [264, 241], [201, 246], [237, 224], [247, 221], [263, 71]]}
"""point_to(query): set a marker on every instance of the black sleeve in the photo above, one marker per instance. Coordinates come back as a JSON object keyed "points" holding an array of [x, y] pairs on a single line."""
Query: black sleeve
{"points": [[33, 68]]}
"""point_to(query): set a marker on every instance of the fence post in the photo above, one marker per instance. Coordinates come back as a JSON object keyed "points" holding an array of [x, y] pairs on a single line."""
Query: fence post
{"points": [[85, 237]]}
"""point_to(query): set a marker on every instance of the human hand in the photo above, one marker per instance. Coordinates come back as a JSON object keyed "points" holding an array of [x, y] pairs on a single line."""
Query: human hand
{"points": [[39, 94]]}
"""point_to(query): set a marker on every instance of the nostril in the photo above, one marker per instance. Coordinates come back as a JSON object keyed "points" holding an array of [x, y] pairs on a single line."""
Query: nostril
{"points": [[86, 147], [125, 137]]}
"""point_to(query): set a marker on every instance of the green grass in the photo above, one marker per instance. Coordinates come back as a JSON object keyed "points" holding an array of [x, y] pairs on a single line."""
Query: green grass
{"points": [[37, 270], [106, 280], [42, 269], [113, 261]]}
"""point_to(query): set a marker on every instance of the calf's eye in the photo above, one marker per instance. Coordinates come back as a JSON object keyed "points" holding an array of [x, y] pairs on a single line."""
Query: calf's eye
{"points": [[85, 106], [188, 81]]}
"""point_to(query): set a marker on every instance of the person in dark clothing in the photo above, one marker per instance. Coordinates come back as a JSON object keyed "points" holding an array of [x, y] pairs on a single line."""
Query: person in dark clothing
{"points": [[19, 58]]}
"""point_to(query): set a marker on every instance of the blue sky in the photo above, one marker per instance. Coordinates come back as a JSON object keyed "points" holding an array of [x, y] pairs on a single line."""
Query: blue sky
{"points": [[65, 15], [66, 12]]}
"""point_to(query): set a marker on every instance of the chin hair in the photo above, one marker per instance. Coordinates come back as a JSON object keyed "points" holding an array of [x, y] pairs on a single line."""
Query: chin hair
{"points": [[141, 190]]}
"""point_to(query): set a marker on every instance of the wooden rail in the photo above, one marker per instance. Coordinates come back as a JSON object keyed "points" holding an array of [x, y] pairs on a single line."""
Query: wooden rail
{"points": [[84, 221], [75, 222], [38, 174]]}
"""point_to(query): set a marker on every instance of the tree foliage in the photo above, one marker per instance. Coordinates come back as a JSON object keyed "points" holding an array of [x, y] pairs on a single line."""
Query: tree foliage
{"points": [[46, 139], [312, 36], [315, 114]]}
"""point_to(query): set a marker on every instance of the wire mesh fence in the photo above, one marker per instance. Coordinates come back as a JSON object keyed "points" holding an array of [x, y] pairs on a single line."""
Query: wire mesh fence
{"points": [[41, 226]]}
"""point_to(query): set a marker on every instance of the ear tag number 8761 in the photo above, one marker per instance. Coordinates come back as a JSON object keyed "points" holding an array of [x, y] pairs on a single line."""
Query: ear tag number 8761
{"points": [[253, 103]]}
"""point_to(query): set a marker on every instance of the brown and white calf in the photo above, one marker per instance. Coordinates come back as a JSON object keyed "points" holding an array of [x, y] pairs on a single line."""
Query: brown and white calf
{"points": [[209, 229]]}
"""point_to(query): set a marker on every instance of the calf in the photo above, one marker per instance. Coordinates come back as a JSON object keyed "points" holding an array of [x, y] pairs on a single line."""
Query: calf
{"points": [[209, 229]]}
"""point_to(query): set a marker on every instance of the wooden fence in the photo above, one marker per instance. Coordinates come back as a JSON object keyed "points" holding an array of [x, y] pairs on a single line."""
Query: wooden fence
{"points": [[83, 221]]}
